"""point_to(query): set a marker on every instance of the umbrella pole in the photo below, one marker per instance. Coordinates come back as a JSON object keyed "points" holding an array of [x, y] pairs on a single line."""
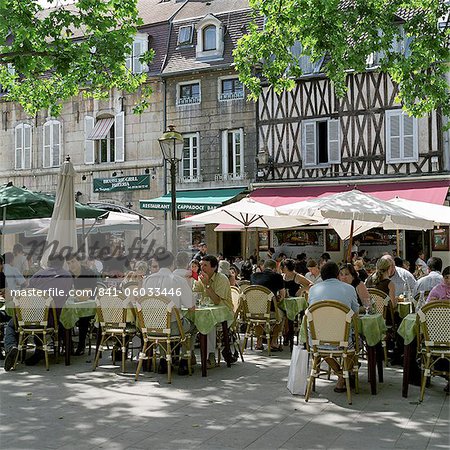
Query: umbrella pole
{"points": [[350, 242], [398, 242], [3, 230], [245, 243]]}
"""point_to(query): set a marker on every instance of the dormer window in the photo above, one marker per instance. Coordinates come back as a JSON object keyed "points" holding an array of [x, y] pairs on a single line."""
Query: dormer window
{"points": [[209, 38], [210, 31], [185, 35]]}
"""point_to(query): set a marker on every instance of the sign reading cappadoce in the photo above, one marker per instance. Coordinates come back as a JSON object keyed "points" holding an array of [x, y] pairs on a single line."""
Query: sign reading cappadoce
{"points": [[127, 183]]}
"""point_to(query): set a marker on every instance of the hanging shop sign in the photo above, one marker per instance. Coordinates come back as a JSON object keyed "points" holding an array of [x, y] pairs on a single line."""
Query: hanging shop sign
{"points": [[127, 183]]}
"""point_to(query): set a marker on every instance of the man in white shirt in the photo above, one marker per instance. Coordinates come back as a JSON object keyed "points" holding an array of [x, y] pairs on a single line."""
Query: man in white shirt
{"points": [[433, 278], [167, 284], [13, 276], [19, 260], [313, 274], [400, 277]]}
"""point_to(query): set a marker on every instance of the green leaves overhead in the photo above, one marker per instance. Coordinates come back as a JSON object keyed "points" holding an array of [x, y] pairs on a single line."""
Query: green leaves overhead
{"points": [[347, 33], [49, 55]]}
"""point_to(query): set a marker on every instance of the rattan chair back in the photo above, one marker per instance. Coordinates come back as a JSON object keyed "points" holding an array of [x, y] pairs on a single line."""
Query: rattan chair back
{"points": [[111, 311], [32, 310], [256, 302], [434, 320], [155, 315], [236, 298], [330, 323]]}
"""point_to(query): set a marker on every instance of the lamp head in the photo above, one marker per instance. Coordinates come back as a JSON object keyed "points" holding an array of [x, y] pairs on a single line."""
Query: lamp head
{"points": [[171, 143]]}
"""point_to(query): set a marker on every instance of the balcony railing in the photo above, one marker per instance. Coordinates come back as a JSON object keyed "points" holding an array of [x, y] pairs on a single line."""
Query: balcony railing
{"points": [[231, 95], [231, 176], [189, 100]]}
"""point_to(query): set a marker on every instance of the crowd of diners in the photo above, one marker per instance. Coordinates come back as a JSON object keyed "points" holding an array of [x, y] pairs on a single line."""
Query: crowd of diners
{"points": [[212, 276]]}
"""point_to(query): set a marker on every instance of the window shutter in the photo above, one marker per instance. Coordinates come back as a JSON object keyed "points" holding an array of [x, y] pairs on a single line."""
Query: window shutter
{"points": [[26, 146], [119, 137], [19, 146], [89, 144], [56, 143], [393, 136], [140, 46], [225, 153], [241, 148], [309, 152], [334, 148], [47, 144], [410, 144]]}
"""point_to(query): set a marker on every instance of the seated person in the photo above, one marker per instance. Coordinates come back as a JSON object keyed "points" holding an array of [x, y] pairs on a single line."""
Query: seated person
{"points": [[272, 280], [217, 287], [333, 289], [84, 284]]}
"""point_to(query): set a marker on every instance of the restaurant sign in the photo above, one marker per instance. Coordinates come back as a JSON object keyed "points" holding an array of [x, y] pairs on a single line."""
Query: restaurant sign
{"points": [[128, 183], [191, 207]]}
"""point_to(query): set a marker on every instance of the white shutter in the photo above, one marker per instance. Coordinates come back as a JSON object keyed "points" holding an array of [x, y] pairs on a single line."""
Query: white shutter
{"points": [[119, 137], [410, 143], [47, 144], [89, 144], [393, 136], [140, 46], [309, 147], [26, 146], [19, 146], [56, 143], [241, 140], [225, 154], [334, 148]]}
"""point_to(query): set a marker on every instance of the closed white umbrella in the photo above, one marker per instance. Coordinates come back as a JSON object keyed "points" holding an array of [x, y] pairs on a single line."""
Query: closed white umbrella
{"points": [[62, 233], [353, 212]]}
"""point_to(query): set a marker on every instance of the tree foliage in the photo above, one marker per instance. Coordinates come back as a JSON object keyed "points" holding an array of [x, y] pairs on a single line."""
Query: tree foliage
{"points": [[49, 55], [347, 32]]}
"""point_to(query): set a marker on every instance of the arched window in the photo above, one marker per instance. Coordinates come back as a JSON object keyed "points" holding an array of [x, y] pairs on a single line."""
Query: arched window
{"points": [[209, 38]]}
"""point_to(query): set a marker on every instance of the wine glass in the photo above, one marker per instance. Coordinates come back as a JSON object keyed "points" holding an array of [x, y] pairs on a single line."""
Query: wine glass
{"points": [[367, 308]]}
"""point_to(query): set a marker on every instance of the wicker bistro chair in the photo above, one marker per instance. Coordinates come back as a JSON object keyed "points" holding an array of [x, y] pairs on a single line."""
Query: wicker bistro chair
{"points": [[382, 304], [112, 315], [32, 313], [154, 320], [434, 324], [330, 324], [256, 305], [236, 297]]}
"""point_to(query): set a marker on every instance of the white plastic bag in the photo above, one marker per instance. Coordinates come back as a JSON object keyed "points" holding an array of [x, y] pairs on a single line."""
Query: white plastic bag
{"points": [[298, 371]]}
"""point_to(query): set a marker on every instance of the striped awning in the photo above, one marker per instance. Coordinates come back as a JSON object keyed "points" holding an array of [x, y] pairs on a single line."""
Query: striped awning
{"points": [[101, 129]]}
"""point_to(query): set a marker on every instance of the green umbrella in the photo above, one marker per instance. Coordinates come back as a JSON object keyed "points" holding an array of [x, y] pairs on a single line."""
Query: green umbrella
{"points": [[81, 211], [18, 203]]}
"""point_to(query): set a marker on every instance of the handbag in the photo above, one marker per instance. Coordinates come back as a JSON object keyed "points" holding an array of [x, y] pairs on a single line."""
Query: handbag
{"points": [[298, 371]]}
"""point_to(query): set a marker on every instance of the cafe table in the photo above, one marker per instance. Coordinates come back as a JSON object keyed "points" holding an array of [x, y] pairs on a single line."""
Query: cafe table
{"points": [[205, 319], [73, 310], [408, 330], [292, 306], [372, 327]]}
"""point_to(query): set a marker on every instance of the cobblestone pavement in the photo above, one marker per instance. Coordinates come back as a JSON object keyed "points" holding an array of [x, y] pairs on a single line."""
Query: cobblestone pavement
{"points": [[245, 406]]}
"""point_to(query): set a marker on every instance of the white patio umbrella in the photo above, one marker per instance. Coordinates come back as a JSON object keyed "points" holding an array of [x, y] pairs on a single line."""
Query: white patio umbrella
{"points": [[247, 213], [352, 212], [62, 230], [437, 213]]}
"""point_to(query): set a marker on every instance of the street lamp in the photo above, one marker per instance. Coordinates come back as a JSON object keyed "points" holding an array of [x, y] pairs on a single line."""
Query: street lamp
{"points": [[172, 144]]}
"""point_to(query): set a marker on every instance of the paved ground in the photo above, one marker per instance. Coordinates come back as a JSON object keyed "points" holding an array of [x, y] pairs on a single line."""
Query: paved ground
{"points": [[247, 406]]}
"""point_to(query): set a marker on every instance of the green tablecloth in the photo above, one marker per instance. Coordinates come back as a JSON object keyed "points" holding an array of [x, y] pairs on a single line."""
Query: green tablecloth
{"points": [[408, 328], [205, 318], [293, 306], [372, 327], [72, 311], [404, 308]]}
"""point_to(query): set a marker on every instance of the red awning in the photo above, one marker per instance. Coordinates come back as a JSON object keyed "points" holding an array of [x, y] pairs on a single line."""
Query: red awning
{"points": [[421, 191]]}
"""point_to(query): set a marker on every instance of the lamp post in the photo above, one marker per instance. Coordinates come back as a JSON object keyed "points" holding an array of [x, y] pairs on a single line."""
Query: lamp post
{"points": [[172, 143]]}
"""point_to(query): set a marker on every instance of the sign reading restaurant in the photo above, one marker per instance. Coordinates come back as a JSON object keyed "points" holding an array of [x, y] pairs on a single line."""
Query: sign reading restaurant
{"points": [[192, 207], [128, 183]]}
